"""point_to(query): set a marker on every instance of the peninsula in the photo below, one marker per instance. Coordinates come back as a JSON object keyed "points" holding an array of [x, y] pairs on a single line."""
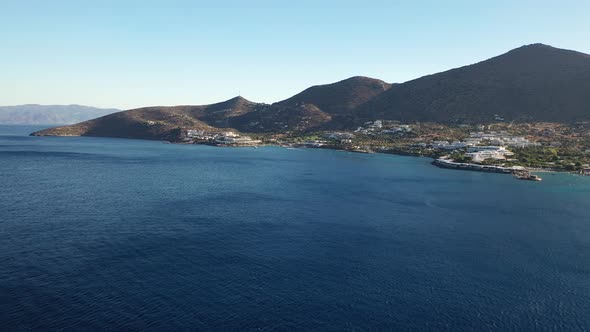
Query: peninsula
{"points": [[529, 107]]}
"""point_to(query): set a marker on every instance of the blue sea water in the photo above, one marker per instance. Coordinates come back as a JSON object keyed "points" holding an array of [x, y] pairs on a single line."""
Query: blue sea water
{"points": [[100, 233]]}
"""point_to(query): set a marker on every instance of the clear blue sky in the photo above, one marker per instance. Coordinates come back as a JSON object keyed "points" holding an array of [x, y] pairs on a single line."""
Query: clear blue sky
{"points": [[125, 54]]}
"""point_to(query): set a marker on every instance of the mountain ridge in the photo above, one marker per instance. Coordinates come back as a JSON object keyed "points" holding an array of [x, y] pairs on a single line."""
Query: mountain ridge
{"points": [[535, 82], [329, 97]]}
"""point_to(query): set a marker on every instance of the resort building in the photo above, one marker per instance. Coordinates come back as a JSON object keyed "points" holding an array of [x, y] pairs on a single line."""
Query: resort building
{"points": [[481, 153], [236, 140], [339, 136], [444, 145]]}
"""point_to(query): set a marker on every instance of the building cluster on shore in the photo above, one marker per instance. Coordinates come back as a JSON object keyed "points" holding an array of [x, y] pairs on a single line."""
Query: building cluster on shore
{"points": [[491, 139], [500, 138], [316, 143], [382, 127], [481, 146], [228, 138], [342, 137], [481, 153]]}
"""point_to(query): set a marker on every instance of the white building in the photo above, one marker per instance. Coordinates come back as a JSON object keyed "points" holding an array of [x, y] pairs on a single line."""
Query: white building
{"points": [[499, 149], [472, 141], [377, 124], [444, 145], [339, 136], [399, 129], [236, 140], [481, 153], [501, 138]]}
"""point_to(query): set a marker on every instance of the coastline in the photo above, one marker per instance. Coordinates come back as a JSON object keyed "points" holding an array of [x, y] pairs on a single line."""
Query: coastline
{"points": [[460, 166], [434, 157]]}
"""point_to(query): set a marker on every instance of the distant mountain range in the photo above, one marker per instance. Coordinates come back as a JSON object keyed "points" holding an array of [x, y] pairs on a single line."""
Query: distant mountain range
{"points": [[49, 114], [534, 83]]}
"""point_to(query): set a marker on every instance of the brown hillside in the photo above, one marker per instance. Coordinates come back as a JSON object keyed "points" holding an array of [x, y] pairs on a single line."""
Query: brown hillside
{"points": [[340, 97], [276, 118], [146, 123], [532, 83], [161, 122]]}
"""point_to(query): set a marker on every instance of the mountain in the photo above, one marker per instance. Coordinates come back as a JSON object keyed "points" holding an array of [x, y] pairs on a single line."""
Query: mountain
{"points": [[308, 110], [314, 108], [156, 122], [162, 122], [340, 97], [531, 83], [49, 114]]}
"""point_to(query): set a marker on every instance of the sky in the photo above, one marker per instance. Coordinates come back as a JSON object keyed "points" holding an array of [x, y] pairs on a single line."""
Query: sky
{"points": [[131, 53]]}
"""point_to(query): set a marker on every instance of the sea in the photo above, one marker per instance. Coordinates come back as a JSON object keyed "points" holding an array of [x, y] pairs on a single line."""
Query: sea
{"points": [[120, 234]]}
